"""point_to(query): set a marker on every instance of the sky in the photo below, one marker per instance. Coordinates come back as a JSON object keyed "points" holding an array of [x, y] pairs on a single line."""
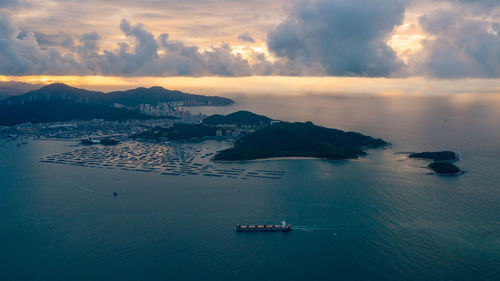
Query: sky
{"points": [[417, 46]]}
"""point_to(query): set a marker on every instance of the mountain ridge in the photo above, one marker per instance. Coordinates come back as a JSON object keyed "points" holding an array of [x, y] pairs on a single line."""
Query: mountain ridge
{"points": [[131, 97], [61, 102]]}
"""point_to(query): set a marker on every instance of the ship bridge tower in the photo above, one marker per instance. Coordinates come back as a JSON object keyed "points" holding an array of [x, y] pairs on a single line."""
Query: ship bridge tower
{"points": [[283, 224]]}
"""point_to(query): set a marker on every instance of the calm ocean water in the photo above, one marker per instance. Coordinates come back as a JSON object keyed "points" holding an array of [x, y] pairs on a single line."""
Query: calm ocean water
{"points": [[378, 218]]}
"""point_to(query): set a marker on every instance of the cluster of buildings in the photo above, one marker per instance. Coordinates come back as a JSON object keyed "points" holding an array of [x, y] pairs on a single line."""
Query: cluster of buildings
{"points": [[233, 133], [164, 109], [120, 130], [96, 128]]}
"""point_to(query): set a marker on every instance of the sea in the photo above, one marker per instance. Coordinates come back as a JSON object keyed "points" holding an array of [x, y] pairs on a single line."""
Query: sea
{"points": [[381, 217]]}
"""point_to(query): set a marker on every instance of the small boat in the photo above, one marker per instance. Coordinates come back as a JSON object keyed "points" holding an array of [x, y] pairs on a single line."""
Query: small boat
{"points": [[284, 226]]}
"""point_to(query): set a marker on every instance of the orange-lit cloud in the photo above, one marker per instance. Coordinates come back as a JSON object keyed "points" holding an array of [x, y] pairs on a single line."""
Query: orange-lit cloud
{"points": [[407, 40], [391, 38]]}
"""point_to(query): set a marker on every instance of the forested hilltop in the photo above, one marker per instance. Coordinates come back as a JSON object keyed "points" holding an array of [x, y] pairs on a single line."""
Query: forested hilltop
{"points": [[299, 140]]}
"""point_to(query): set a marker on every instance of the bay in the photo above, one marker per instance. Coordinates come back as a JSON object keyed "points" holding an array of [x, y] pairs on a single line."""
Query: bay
{"points": [[381, 217]]}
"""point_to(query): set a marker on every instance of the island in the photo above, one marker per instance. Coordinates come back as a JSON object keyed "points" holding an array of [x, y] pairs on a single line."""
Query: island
{"points": [[444, 168], [298, 139], [436, 156], [441, 161], [239, 118]]}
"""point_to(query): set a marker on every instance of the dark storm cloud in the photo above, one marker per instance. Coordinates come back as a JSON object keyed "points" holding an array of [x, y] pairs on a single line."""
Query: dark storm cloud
{"points": [[345, 37]]}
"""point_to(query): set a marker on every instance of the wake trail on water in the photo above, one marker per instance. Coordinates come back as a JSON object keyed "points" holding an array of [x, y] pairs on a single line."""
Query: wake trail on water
{"points": [[89, 190], [86, 189]]}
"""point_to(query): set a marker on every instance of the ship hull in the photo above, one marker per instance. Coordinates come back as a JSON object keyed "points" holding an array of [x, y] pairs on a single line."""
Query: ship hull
{"points": [[262, 229]]}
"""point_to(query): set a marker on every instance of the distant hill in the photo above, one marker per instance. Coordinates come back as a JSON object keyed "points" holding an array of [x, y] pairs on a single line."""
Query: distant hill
{"points": [[238, 118], [299, 140], [436, 156], [60, 110], [55, 92], [60, 102], [13, 88], [156, 95], [153, 95]]}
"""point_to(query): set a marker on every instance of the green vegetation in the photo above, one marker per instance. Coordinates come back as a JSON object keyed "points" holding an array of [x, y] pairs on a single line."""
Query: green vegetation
{"points": [[436, 156], [52, 111], [299, 140], [239, 118], [179, 132], [444, 168], [440, 164]]}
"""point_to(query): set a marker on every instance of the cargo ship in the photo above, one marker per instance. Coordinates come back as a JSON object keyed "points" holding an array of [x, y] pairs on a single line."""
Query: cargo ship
{"points": [[284, 226]]}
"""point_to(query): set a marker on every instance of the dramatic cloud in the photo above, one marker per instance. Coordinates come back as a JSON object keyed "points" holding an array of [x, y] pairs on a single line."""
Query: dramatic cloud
{"points": [[175, 58], [20, 55], [385, 38], [460, 45], [142, 55], [196, 22], [347, 38]]}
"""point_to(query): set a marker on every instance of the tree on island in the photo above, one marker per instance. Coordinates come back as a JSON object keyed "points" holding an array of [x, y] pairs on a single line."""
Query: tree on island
{"points": [[299, 140]]}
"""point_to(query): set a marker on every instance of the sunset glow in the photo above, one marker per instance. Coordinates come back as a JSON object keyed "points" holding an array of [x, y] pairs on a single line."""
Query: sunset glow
{"points": [[277, 84]]}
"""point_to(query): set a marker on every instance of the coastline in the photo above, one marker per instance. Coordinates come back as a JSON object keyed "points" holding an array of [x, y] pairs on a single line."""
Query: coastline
{"points": [[448, 175], [279, 159]]}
